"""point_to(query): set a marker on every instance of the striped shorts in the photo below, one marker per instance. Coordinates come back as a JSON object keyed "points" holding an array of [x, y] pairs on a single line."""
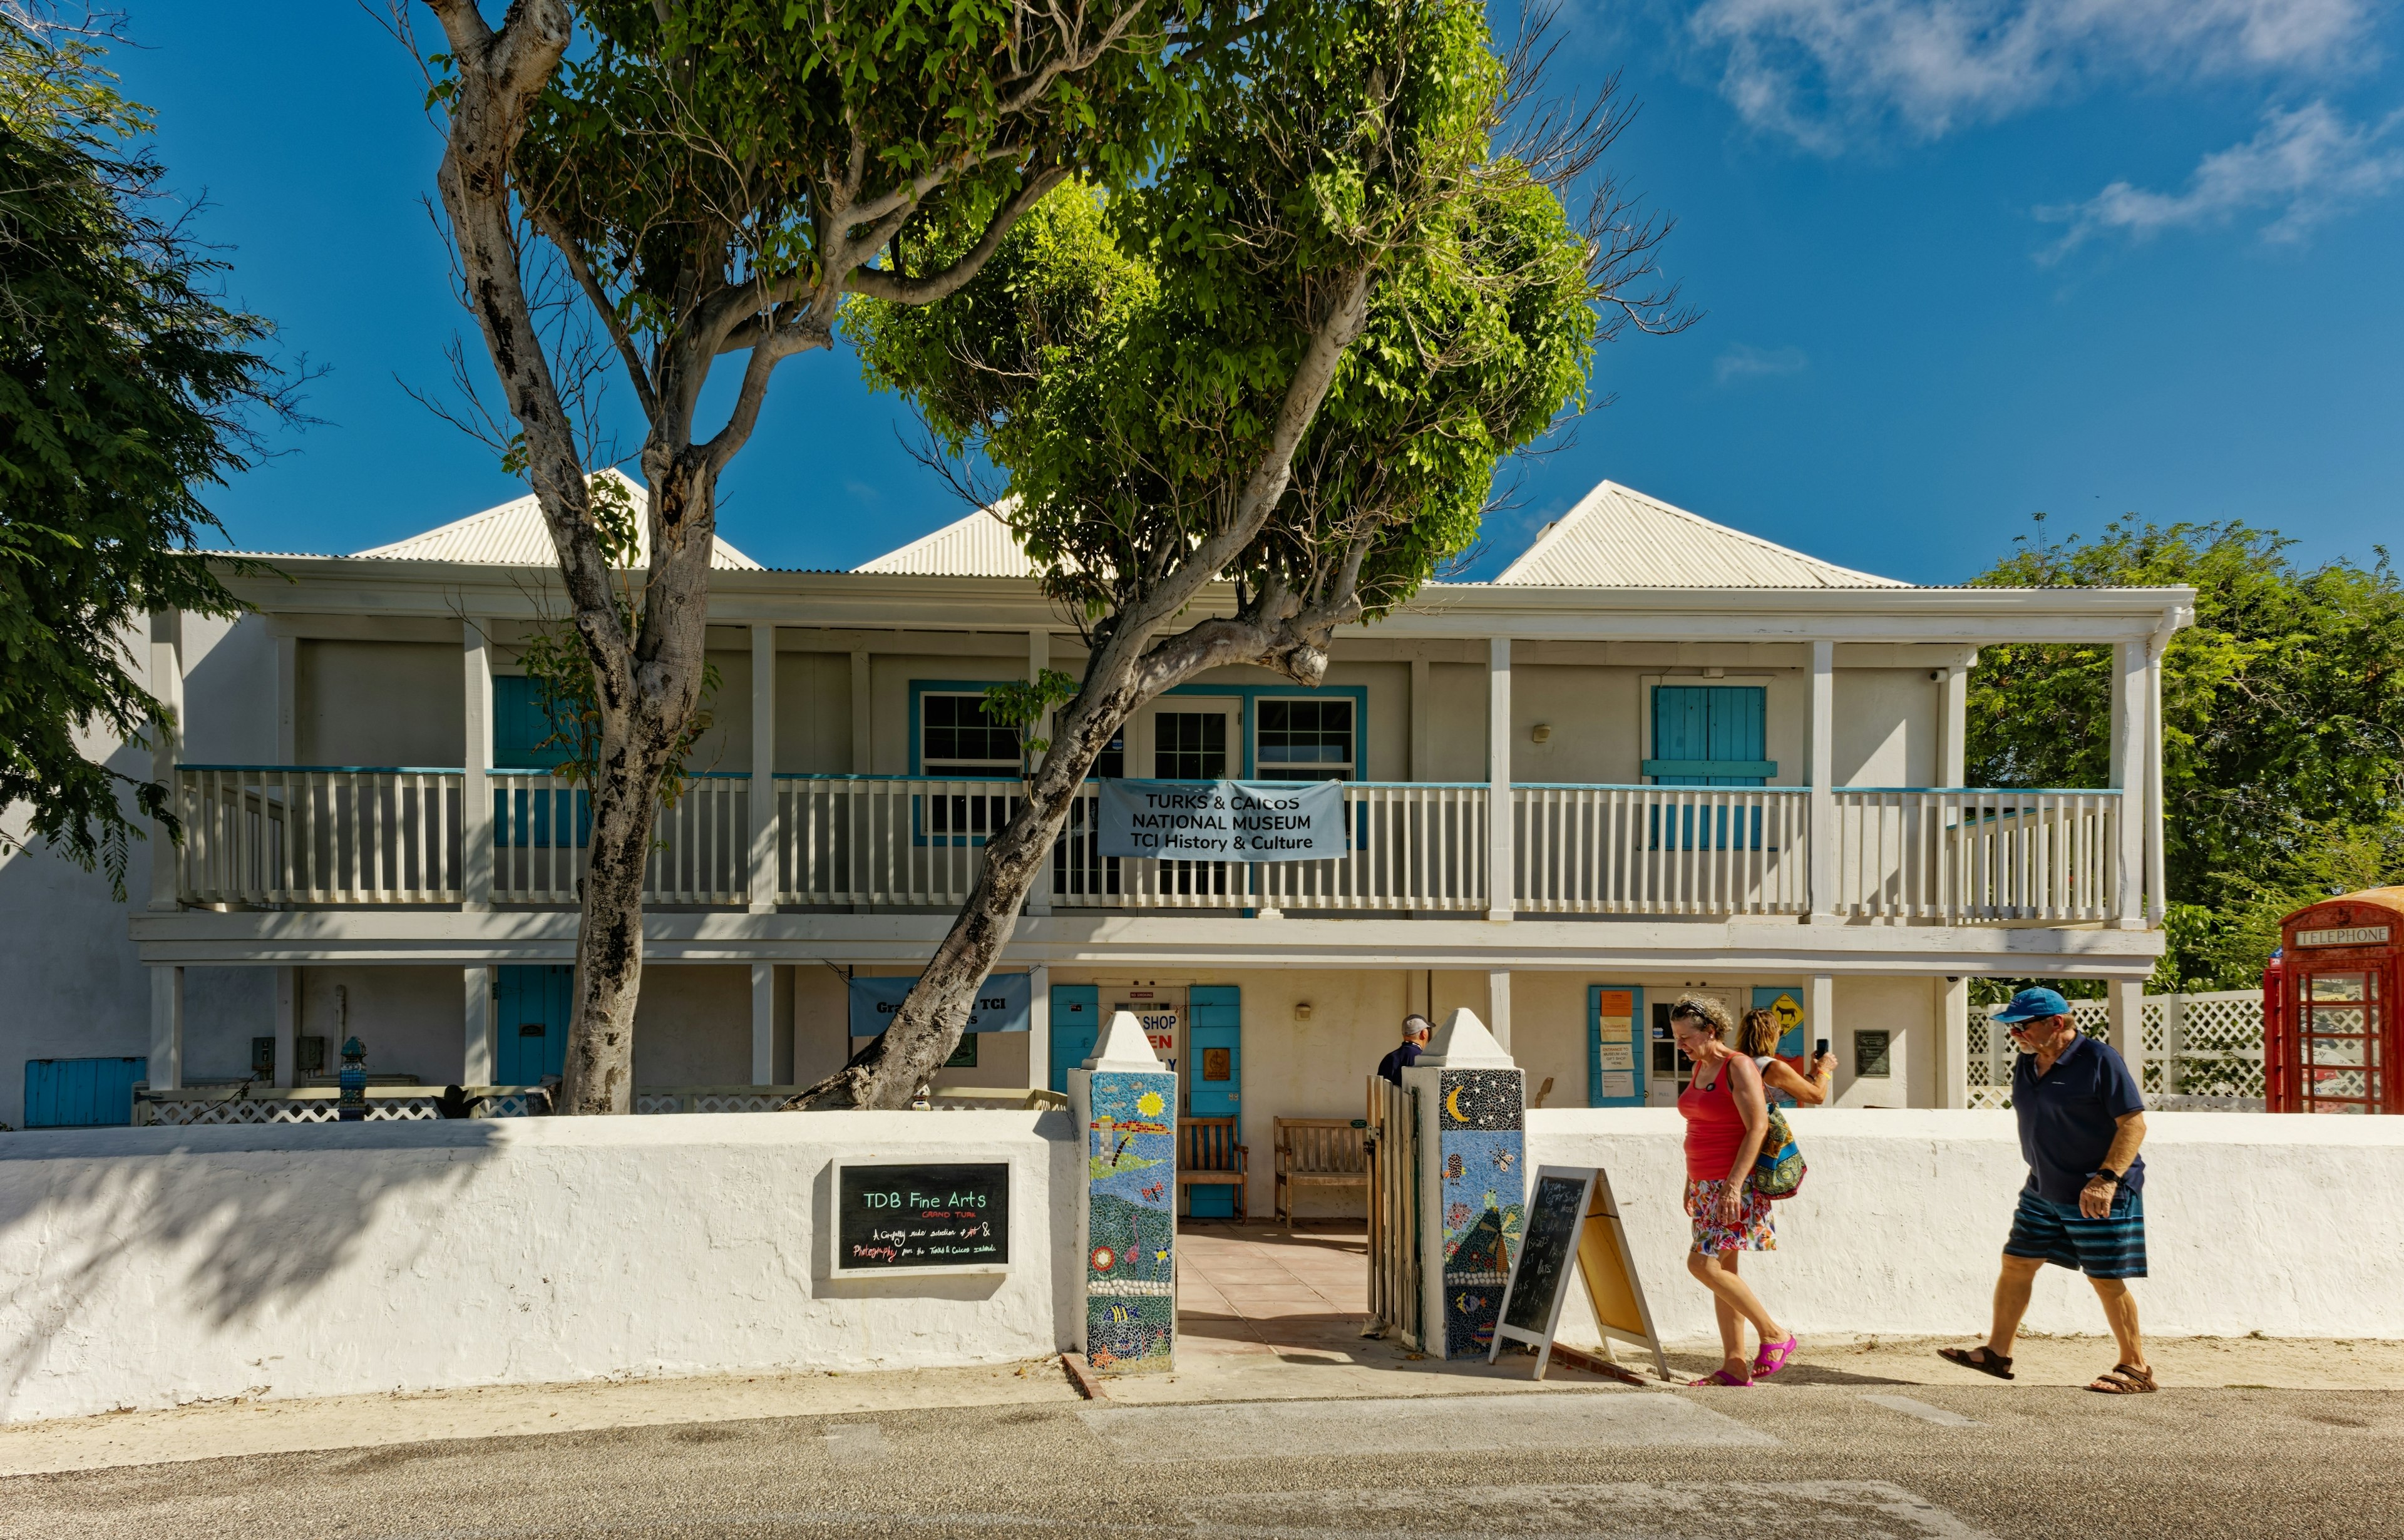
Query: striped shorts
{"points": [[2113, 1247]]}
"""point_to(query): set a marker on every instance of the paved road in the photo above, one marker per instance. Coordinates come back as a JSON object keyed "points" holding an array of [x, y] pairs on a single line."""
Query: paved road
{"points": [[1823, 1463]]}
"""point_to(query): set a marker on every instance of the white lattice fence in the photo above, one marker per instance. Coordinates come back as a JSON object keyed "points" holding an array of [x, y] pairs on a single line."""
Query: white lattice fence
{"points": [[2202, 1051]]}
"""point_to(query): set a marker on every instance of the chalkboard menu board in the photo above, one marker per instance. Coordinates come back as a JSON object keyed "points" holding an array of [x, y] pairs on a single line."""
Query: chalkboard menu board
{"points": [[1547, 1249], [900, 1219]]}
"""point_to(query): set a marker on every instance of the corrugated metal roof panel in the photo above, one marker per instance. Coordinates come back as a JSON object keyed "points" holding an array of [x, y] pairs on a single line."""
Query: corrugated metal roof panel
{"points": [[515, 535], [1619, 538], [978, 546]]}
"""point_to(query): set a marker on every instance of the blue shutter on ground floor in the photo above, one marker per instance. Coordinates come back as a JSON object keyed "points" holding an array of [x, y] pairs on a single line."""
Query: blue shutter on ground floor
{"points": [[1214, 1075], [81, 1093], [1076, 1022]]}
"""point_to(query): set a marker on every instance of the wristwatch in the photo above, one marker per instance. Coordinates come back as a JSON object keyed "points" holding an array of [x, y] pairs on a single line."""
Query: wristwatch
{"points": [[2105, 1175]]}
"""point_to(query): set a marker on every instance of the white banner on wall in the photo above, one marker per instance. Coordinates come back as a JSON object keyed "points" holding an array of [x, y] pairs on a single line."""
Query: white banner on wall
{"points": [[1222, 819]]}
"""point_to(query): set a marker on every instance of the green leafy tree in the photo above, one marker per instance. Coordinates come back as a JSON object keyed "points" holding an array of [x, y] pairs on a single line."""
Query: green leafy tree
{"points": [[2282, 726], [641, 191], [125, 388], [1261, 395]]}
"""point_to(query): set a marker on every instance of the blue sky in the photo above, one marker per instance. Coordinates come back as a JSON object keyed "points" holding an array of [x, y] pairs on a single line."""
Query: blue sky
{"points": [[1963, 260]]}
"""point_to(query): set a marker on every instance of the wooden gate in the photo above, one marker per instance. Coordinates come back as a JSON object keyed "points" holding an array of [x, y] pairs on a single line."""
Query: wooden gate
{"points": [[1394, 1210]]}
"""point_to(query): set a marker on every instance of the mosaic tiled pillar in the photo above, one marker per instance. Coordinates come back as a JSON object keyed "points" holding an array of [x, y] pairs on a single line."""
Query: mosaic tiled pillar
{"points": [[1125, 1101], [1473, 1155]]}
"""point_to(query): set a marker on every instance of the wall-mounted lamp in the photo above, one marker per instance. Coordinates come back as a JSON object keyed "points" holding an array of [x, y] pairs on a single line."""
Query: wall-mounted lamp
{"points": [[1540, 733], [1302, 1010]]}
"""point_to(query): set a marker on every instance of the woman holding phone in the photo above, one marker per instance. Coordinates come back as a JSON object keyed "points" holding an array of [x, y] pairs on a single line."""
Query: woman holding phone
{"points": [[1759, 1040], [1727, 1116]]}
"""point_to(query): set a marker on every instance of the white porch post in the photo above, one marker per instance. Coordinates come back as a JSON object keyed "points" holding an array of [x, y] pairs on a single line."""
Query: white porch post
{"points": [[2156, 877], [166, 1067], [478, 1058], [763, 1024], [167, 684], [1039, 1028], [288, 1026], [1953, 1043], [1820, 1009], [1953, 723], [287, 700], [2129, 695], [476, 785], [764, 879], [1821, 775], [1039, 658], [2125, 1002], [1501, 884], [1497, 1007]]}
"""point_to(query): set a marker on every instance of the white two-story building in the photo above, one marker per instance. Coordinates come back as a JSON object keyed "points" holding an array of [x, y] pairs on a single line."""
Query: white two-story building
{"points": [[1655, 754]]}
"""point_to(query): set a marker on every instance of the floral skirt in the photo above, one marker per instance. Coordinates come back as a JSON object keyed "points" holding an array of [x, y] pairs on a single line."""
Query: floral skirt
{"points": [[1752, 1232]]}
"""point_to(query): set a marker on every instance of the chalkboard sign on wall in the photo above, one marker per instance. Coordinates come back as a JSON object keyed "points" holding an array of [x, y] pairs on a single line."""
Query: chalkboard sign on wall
{"points": [[896, 1221], [1546, 1250]]}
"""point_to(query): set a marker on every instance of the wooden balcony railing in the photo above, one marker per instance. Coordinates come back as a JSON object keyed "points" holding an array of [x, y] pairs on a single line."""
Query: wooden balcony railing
{"points": [[1966, 855], [1661, 849]]}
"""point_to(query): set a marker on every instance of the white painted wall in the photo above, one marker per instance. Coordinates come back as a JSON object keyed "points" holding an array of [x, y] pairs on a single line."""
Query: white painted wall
{"points": [[145, 1267], [2290, 1227]]}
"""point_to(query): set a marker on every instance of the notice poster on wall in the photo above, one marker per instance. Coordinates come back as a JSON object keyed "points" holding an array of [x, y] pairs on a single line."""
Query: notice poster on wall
{"points": [[1221, 820], [899, 1221]]}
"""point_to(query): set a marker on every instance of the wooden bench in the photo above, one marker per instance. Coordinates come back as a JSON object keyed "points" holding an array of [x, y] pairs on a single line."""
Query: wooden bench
{"points": [[1208, 1156], [1319, 1151]]}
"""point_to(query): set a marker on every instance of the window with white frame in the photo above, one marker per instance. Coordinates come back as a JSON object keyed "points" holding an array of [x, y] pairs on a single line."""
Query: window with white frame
{"points": [[955, 737], [1312, 738]]}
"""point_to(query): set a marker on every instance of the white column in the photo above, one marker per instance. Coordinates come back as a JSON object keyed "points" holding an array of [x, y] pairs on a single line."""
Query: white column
{"points": [[763, 1024], [2157, 877], [476, 785], [287, 1025], [1821, 774], [764, 772], [1500, 879], [862, 749], [1039, 658], [1422, 710], [166, 1068], [2129, 695], [1497, 1007], [1820, 1010], [2125, 999], [1039, 1028], [1953, 724], [167, 684], [287, 700], [479, 1056], [1953, 1043]]}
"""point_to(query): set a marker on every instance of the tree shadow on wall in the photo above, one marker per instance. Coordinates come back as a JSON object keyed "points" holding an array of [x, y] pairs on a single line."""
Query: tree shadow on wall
{"points": [[229, 1224]]}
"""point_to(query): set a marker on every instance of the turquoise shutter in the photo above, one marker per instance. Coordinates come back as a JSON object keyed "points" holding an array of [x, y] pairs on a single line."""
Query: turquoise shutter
{"points": [[1076, 1022], [1712, 735]]}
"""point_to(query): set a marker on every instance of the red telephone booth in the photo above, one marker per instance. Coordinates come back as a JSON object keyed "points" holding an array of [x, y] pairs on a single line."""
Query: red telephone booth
{"points": [[2330, 1042]]}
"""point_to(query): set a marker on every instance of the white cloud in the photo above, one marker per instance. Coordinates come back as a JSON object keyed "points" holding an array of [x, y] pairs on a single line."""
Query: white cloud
{"points": [[1743, 362], [2304, 167], [1824, 70]]}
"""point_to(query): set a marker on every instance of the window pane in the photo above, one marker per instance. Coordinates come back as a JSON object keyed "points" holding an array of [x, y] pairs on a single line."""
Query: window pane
{"points": [[957, 736], [2337, 985], [1189, 746], [1304, 739]]}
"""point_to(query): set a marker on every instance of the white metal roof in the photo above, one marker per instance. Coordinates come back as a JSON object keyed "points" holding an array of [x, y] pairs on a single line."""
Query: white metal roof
{"points": [[515, 535], [978, 546], [1619, 538]]}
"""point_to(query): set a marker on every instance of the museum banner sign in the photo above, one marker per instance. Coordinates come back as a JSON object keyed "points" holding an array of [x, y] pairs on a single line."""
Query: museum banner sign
{"points": [[1222, 819]]}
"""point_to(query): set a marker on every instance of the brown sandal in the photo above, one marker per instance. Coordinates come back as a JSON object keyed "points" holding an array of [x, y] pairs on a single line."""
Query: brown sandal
{"points": [[2124, 1380], [1981, 1358]]}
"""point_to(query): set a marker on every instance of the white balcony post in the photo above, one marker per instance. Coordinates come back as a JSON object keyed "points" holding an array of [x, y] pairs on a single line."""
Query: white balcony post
{"points": [[2129, 695], [1501, 884], [287, 700], [166, 1067], [2125, 1005], [763, 1024], [167, 684], [1953, 724], [1953, 1044], [2156, 877], [1039, 658], [479, 1057], [288, 1026], [1819, 843], [475, 784], [1497, 1007], [764, 883], [1039, 1028]]}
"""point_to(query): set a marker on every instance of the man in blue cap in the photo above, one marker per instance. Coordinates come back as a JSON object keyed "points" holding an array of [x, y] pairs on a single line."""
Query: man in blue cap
{"points": [[2081, 1121]]}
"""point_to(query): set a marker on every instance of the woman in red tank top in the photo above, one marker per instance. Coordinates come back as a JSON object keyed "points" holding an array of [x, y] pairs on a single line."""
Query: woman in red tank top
{"points": [[1727, 1116]]}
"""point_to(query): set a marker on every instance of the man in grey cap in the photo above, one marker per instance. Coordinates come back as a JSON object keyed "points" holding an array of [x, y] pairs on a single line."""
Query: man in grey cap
{"points": [[1416, 1029], [2081, 1119]]}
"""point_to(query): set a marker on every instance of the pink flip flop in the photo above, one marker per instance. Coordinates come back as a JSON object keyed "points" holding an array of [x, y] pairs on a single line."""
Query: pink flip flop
{"points": [[1772, 1357], [1720, 1376]]}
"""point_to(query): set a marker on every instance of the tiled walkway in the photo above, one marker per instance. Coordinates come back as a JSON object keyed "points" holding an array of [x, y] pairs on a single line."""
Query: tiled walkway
{"points": [[1267, 1290]]}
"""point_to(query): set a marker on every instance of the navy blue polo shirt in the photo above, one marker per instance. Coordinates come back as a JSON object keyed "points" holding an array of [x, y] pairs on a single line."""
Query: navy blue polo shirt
{"points": [[1393, 1064], [2069, 1114]]}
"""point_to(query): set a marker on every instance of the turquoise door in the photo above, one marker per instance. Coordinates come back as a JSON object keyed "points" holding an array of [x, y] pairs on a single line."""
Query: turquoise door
{"points": [[531, 1007], [1614, 1046], [1076, 1021], [81, 1093], [1214, 1075], [1712, 735]]}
